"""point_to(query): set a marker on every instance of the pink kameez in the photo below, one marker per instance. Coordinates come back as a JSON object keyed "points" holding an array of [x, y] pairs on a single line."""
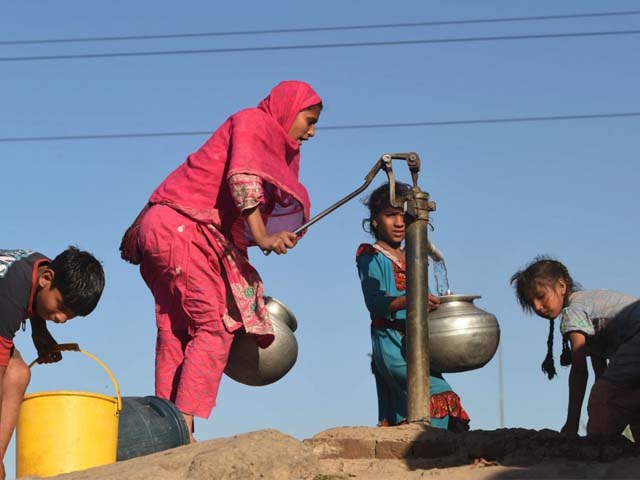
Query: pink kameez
{"points": [[193, 241]]}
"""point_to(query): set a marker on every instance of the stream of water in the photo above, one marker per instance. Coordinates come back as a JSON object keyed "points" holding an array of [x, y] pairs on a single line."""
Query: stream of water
{"points": [[440, 275]]}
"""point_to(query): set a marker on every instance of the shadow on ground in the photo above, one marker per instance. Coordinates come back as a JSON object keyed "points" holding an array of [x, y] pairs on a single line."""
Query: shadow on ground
{"points": [[495, 454]]}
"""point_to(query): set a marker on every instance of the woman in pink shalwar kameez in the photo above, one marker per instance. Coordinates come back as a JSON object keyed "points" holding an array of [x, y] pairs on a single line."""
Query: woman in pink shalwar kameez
{"points": [[239, 189]]}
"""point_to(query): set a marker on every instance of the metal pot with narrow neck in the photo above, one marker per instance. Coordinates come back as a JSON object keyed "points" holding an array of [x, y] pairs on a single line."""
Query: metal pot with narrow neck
{"points": [[462, 337], [256, 366]]}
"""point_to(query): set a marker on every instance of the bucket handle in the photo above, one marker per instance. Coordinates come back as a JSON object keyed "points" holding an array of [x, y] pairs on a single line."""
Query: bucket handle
{"points": [[74, 347]]}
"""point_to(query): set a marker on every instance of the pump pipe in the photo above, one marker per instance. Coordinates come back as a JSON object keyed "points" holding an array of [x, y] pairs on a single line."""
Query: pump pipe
{"points": [[418, 249]]}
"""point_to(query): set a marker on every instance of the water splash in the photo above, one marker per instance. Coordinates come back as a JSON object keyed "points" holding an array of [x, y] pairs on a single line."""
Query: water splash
{"points": [[440, 275]]}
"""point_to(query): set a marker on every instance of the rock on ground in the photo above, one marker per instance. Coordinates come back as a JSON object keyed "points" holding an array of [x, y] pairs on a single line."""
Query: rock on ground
{"points": [[266, 454]]}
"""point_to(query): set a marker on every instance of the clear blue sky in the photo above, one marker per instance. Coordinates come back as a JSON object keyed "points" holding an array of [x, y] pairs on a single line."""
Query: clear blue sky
{"points": [[505, 192]]}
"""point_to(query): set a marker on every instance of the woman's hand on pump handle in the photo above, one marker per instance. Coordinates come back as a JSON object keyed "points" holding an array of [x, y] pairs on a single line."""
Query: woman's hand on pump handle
{"points": [[278, 242]]}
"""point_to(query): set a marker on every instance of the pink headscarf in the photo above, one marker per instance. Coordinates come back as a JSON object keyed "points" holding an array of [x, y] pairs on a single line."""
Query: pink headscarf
{"points": [[287, 99], [253, 141]]}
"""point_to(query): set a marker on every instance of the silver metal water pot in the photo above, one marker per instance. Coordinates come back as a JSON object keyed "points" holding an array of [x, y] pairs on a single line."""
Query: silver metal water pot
{"points": [[256, 366], [279, 310], [462, 337]]}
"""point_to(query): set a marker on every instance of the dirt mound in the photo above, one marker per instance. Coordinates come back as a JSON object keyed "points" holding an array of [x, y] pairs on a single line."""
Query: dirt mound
{"points": [[407, 452]]}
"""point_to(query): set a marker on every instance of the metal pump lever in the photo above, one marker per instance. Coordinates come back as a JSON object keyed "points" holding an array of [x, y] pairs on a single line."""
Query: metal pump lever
{"points": [[384, 162], [367, 181]]}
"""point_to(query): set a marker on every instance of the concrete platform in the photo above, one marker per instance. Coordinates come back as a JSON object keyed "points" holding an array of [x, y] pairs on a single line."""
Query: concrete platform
{"points": [[514, 446]]}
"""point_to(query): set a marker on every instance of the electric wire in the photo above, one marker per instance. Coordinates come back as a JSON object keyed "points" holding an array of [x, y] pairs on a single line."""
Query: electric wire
{"points": [[320, 46], [477, 121], [322, 29]]}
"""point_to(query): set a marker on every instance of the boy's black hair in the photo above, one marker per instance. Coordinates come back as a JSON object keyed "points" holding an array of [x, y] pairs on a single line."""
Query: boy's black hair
{"points": [[546, 271], [378, 200], [80, 279]]}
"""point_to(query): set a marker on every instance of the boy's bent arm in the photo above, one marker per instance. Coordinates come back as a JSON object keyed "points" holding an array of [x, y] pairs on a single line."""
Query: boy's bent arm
{"points": [[577, 381], [44, 342], [38, 325]]}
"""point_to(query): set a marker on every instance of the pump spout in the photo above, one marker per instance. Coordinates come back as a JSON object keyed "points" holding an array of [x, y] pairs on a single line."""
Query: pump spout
{"points": [[434, 252]]}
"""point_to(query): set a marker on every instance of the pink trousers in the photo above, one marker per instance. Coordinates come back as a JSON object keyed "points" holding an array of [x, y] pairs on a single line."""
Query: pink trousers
{"points": [[185, 276]]}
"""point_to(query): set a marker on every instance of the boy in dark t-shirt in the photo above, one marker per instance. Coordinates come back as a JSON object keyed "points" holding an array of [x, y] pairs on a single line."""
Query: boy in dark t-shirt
{"points": [[36, 288]]}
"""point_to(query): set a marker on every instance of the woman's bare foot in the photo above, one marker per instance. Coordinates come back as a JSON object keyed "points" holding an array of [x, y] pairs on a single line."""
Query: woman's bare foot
{"points": [[188, 419]]}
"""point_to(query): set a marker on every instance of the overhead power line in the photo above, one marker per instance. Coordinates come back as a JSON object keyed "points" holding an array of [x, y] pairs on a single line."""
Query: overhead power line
{"points": [[321, 29], [480, 121], [319, 46], [477, 121]]}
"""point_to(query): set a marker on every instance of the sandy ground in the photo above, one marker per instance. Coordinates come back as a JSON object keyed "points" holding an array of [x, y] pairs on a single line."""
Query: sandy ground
{"points": [[553, 469], [557, 469], [398, 453]]}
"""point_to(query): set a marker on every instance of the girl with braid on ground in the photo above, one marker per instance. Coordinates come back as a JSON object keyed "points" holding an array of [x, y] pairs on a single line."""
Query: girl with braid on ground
{"points": [[601, 324]]}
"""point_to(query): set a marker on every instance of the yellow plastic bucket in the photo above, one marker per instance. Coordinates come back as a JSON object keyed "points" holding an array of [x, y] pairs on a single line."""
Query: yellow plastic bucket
{"points": [[66, 431]]}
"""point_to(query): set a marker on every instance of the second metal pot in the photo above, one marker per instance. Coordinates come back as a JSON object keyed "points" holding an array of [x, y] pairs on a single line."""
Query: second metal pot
{"points": [[462, 337]]}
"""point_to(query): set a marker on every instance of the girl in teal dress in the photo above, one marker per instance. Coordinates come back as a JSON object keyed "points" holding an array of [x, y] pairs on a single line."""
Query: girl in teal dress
{"points": [[381, 268]]}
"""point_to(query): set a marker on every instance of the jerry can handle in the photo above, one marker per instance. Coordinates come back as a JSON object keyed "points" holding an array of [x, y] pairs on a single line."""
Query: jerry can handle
{"points": [[74, 347]]}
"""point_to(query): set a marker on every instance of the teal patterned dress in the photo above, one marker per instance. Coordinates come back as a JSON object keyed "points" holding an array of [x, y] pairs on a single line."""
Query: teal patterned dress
{"points": [[382, 277]]}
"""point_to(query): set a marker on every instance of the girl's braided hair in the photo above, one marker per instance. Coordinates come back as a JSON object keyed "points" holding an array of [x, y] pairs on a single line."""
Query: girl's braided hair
{"points": [[544, 270]]}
